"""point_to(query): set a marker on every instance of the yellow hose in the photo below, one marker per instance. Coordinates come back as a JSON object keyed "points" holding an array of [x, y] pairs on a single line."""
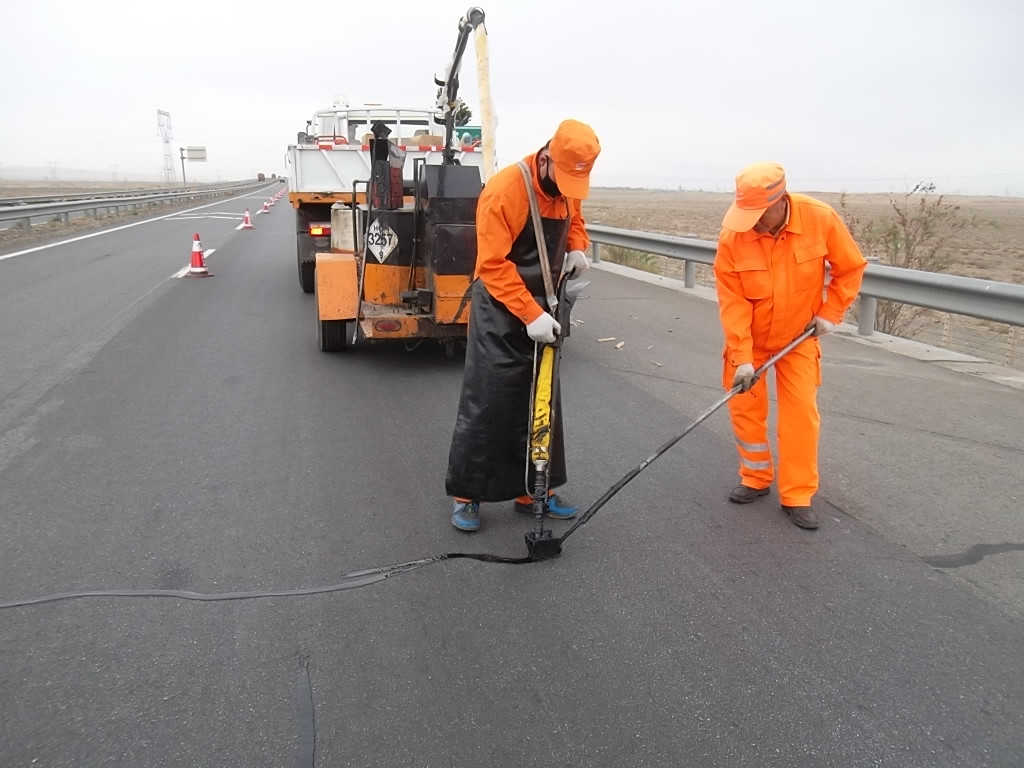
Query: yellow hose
{"points": [[540, 437]]}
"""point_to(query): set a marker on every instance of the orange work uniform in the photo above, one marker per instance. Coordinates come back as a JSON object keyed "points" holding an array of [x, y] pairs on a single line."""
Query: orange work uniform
{"points": [[769, 290], [502, 213]]}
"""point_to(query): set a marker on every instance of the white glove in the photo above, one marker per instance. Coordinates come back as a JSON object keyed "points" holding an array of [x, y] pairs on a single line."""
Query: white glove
{"points": [[821, 326], [744, 377], [575, 264], [544, 329]]}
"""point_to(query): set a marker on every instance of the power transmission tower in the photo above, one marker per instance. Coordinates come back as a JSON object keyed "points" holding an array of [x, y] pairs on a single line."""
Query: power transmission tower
{"points": [[163, 122]]}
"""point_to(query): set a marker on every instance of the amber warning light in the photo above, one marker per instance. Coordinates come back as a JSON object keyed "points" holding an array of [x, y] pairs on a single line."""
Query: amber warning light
{"points": [[319, 230]]}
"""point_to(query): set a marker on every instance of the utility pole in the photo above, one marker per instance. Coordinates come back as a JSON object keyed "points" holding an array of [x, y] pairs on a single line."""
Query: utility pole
{"points": [[182, 151]]}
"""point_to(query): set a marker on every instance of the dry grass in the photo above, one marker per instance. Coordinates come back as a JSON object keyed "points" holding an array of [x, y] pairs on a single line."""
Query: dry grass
{"points": [[993, 251], [11, 188]]}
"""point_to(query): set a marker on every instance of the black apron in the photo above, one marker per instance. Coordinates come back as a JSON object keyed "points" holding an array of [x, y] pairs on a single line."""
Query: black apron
{"points": [[489, 455]]}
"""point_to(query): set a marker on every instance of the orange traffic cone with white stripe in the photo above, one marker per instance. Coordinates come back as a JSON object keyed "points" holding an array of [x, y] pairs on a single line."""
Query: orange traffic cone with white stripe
{"points": [[198, 267], [266, 208], [246, 221]]}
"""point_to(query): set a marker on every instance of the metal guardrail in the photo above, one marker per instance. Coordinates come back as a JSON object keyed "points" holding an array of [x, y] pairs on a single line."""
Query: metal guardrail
{"points": [[983, 299], [24, 214], [58, 196]]}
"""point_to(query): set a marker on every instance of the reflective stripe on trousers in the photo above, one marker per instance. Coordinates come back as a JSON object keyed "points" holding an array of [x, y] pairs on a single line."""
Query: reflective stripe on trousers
{"points": [[797, 377]]}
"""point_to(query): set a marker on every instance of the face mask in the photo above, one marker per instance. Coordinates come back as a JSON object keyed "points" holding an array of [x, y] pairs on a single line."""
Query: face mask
{"points": [[549, 186]]}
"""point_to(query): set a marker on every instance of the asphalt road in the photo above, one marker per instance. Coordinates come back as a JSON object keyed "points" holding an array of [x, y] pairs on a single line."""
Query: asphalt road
{"points": [[186, 434]]}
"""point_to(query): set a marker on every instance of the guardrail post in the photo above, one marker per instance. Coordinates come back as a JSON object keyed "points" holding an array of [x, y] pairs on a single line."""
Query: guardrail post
{"points": [[689, 274], [595, 249], [866, 315]]}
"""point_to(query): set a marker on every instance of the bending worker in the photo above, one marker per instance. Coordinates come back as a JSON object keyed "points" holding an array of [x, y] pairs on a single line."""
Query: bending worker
{"points": [[509, 319], [770, 273]]}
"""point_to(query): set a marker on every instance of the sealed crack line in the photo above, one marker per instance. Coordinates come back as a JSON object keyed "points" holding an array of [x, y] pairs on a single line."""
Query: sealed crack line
{"points": [[349, 581], [972, 555]]}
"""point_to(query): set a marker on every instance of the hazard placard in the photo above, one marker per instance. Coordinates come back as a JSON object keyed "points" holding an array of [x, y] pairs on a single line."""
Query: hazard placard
{"points": [[381, 240]]}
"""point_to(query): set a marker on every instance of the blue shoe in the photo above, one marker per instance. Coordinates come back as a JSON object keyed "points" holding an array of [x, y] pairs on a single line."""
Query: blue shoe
{"points": [[556, 508], [559, 510], [466, 516]]}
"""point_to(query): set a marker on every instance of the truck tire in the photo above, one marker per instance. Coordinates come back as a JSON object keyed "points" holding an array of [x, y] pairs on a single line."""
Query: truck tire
{"points": [[334, 335], [307, 274]]}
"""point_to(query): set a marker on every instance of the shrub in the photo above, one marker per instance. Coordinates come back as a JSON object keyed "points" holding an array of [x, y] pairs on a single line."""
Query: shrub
{"points": [[917, 233], [628, 257]]}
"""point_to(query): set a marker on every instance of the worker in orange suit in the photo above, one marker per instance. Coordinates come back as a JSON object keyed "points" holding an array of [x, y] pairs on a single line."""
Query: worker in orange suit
{"points": [[510, 319], [774, 253]]}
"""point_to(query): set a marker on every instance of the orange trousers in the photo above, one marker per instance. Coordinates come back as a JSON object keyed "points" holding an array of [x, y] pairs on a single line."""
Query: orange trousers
{"points": [[797, 378]]}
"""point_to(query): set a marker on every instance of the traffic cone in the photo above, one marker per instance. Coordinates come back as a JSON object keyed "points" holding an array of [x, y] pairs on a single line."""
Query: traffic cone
{"points": [[198, 267], [247, 222], [266, 208], [273, 200]]}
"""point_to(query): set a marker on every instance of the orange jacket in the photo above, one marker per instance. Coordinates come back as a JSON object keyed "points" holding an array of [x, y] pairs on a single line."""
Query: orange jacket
{"points": [[769, 289], [502, 212]]}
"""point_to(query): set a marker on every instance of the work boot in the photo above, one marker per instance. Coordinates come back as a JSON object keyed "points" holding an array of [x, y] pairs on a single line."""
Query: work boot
{"points": [[466, 516], [744, 494], [803, 517], [555, 508]]}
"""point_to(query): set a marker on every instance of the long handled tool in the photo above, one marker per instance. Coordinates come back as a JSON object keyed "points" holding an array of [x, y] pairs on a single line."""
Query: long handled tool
{"points": [[550, 547], [541, 540]]}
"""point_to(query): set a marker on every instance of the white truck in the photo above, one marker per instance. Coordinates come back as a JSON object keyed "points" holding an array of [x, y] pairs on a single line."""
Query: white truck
{"points": [[331, 163]]}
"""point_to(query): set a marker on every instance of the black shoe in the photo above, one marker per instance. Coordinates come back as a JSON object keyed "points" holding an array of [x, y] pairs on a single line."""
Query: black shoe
{"points": [[803, 517], [744, 494]]}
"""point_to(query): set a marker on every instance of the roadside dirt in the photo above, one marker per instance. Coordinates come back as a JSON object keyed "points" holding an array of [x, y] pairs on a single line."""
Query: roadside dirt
{"points": [[994, 250]]}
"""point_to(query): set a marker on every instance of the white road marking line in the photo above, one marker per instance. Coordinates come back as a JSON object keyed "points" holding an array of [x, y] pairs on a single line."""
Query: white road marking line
{"points": [[211, 215], [96, 234]]}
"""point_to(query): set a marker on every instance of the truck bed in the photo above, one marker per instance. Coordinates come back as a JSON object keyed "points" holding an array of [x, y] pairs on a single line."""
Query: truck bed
{"points": [[331, 167]]}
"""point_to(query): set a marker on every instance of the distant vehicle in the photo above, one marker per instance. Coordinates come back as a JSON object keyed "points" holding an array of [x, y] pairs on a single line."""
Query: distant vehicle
{"points": [[261, 177]]}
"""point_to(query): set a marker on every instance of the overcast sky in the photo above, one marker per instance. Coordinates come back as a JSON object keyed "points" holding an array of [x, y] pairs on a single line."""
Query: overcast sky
{"points": [[872, 95]]}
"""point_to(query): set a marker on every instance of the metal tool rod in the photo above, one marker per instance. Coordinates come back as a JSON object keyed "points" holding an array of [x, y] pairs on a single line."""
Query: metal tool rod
{"points": [[711, 409]]}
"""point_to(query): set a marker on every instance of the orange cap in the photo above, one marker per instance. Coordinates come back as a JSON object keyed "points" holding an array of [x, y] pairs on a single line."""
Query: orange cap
{"points": [[573, 150], [758, 187]]}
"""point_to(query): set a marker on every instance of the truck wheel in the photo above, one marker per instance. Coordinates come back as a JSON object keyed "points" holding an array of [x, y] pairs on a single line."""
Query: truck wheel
{"points": [[307, 275], [333, 335]]}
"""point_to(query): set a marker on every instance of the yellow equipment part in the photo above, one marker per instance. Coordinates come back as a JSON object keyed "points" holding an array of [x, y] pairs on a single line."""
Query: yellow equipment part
{"points": [[383, 283], [337, 286], [405, 325], [298, 199], [451, 303], [540, 435]]}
